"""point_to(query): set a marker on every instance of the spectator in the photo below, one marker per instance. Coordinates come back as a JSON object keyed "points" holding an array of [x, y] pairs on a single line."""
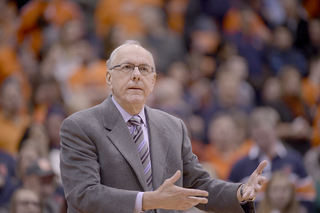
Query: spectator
{"points": [[41, 20], [54, 120], [271, 92], [223, 150], [166, 46], [7, 176], [312, 164], [297, 22], [280, 196], [87, 83], [65, 56], [284, 53], [28, 153], [263, 124], [13, 121], [123, 13], [26, 201], [310, 88], [40, 178], [313, 47], [295, 115]]}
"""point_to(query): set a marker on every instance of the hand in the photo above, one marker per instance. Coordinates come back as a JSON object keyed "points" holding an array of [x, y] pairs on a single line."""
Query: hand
{"points": [[170, 196], [254, 184]]}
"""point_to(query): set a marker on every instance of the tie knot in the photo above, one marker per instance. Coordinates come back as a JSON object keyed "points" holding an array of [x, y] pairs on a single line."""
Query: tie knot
{"points": [[135, 120]]}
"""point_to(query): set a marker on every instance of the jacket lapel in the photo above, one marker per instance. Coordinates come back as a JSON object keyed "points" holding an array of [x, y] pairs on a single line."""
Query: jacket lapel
{"points": [[120, 136], [159, 144]]}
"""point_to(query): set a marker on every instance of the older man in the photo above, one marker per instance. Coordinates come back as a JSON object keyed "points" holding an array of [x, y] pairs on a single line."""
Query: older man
{"points": [[122, 156]]}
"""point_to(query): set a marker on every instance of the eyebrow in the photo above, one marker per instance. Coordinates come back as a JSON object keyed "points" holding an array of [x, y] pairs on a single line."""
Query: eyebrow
{"points": [[127, 62]]}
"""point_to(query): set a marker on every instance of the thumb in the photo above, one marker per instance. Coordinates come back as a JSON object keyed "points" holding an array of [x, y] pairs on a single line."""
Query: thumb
{"points": [[175, 177]]}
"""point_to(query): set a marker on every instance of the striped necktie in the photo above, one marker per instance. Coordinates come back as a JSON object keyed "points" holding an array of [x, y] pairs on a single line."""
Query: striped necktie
{"points": [[143, 148]]}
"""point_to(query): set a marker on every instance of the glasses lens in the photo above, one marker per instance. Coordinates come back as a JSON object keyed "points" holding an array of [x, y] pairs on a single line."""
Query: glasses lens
{"points": [[127, 67], [145, 69]]}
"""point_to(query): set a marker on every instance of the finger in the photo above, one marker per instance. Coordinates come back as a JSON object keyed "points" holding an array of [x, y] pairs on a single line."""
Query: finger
{"points": [[198, 199], [196, 193], [261, 166], [175, 177], [261, 180]]}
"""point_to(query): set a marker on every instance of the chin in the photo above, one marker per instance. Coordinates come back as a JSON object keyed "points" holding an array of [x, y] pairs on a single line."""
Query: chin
{"points": [[136, 99]]}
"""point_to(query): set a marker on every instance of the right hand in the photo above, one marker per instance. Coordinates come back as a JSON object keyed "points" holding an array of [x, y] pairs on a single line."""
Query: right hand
{"points": [[170, 196]]}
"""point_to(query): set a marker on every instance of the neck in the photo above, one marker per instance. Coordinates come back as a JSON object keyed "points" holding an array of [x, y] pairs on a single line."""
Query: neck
{"points": [[130, 108]]}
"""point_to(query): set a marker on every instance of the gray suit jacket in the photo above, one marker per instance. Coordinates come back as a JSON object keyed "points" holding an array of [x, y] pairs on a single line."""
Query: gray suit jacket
{"points": [[102, 172]]}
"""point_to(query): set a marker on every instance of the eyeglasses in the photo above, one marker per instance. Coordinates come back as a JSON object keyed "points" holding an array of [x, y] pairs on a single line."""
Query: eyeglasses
{"points": [[144, 69]]}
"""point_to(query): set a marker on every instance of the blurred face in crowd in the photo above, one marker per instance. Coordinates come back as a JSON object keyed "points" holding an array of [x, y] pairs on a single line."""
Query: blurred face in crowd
{"points": [[280, 191], [314, 31], [131, 89], [271, 90], [26, 201], [228, 89], [10, 97], [44, 186], [222, 132], [27, 155], [283, 38], [264, 134], [291, 82]]}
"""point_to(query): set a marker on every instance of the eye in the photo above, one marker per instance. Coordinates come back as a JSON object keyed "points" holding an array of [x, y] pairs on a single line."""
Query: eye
{"points": [[143, 69], [127, 67]]}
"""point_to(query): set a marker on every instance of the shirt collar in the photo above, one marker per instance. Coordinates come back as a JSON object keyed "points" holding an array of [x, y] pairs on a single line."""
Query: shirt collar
{"points": [[126, 115], [255, 152]]}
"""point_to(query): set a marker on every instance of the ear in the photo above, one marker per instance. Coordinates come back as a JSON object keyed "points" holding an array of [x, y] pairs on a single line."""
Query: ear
{"points": [[109, 79], [153, 81]]}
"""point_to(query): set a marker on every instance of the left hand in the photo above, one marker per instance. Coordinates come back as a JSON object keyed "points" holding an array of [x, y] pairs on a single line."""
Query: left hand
{"points": [[254, 184]]}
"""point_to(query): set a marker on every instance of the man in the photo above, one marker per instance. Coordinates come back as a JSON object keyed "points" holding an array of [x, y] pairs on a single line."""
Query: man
{"points": [[263, 125], [40, 178], [111, 163]]}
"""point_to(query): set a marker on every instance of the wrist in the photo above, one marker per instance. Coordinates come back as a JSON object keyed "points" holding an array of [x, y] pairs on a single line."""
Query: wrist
{"points": [[148, 201], [240, 193]]}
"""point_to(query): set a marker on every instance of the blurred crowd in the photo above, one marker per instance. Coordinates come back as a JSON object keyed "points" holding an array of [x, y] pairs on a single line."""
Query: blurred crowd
{"points": [[244, 75]]}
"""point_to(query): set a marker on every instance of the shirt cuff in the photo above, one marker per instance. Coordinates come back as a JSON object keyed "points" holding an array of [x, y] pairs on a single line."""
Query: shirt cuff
{"points": [[138, 204]]}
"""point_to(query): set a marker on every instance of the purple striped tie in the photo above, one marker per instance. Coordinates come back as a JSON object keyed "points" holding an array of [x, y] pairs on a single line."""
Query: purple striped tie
{"points": [[143, 148]]}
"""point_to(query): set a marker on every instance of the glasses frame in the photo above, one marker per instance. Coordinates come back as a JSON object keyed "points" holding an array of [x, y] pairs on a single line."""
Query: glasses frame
{"points": [[134, 66]]}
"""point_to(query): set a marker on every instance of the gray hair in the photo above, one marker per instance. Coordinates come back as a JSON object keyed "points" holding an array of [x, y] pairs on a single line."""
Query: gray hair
{"points": [[125, 44]]}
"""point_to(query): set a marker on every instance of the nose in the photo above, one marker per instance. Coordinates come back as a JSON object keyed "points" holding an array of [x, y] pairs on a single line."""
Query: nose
{"points": [[136, 75]]}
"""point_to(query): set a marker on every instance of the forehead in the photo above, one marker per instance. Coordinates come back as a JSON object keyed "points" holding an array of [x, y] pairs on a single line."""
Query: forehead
{"points": [[133, 54], [27, 195]]}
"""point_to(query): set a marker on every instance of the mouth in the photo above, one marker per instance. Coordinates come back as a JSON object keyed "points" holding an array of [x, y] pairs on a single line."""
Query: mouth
{"points": [[135, 88]]}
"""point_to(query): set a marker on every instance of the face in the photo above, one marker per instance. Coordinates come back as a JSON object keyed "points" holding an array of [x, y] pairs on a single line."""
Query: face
{"points": [[27, 201], [280, 192], [11, 99], [44, 186], [131, 90], [264, 135], [222, 132]]}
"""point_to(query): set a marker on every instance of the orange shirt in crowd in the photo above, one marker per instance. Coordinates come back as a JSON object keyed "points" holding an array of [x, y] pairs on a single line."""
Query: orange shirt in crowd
{"points": [[122, 13], [312, 7], [310, 92], [315, 137], [10, 66], [176, 10], [56, 12], [223, 164], [93, 75], [8, 62], [12, 132]]}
